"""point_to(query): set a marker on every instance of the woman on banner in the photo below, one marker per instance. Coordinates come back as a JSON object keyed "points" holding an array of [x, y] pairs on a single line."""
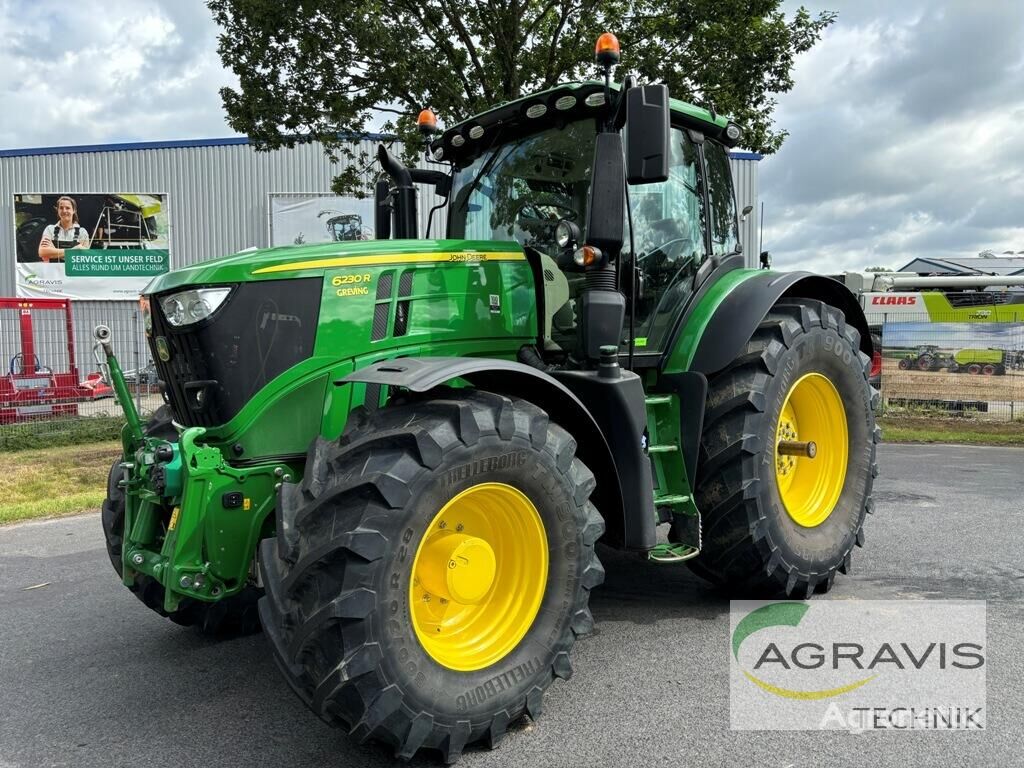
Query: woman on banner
{"points": [[66, 233]]}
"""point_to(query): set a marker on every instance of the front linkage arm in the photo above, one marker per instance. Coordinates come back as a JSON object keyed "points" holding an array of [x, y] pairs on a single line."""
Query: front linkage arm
{"points": [[217, 511]]}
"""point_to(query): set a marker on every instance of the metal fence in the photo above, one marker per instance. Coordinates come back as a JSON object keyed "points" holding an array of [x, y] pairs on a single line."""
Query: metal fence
{"points": [[970, 363], [49, 379]]}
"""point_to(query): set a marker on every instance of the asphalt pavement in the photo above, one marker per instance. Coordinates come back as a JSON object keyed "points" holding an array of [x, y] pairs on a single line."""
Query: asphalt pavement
{"points": [[89, 677]]}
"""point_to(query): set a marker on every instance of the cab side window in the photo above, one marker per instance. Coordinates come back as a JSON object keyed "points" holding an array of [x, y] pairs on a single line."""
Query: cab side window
{"points": [[724, 236], [668, 224]]}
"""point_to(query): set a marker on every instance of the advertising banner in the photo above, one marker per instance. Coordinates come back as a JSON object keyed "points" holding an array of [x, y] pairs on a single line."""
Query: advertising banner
{"points": [[89, 246], [299, 219], [936, 362]]}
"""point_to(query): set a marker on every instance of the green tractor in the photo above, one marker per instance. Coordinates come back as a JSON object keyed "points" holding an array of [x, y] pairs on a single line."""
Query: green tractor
{"points": [[927, 357], [397, 456]]}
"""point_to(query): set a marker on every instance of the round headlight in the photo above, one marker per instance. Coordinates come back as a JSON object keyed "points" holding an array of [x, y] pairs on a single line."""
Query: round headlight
{"points": [[536, 110], [594, 100], [732, 131], [439, 153], [476, 132], [565, 102], [458, 140], [198, 309], [565, 234], [174, 311]]}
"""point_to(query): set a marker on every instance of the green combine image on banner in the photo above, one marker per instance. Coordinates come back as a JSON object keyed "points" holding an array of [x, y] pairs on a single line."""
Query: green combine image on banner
{"points": [[977, 363], [89, 246]]}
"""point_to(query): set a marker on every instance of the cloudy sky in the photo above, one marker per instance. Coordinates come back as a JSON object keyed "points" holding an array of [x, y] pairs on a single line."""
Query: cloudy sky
{"points": [[905, 122]]}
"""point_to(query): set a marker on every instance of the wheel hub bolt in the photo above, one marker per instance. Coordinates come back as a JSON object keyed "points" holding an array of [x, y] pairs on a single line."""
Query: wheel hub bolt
{"points": [[185, 582], [797, 448], [138, 559]]}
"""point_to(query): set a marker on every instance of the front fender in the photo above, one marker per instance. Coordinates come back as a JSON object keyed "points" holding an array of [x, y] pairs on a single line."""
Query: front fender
{"points": [[514, 379]]}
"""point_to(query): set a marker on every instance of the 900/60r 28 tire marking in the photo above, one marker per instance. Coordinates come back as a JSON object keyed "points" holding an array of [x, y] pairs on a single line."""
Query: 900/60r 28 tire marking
{"points": [[338, 575]]}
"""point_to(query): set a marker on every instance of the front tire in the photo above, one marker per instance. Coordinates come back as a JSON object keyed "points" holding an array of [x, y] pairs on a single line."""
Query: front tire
{"points": [[352, 596], [779, 523]]}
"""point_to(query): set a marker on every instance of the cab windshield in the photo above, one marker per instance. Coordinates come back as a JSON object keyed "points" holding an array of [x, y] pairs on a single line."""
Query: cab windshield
{"points": [[520, 190]]}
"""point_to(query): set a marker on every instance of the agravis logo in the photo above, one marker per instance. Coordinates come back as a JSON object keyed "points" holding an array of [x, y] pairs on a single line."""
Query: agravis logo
{"points": [[858, 664], [782, 614]]}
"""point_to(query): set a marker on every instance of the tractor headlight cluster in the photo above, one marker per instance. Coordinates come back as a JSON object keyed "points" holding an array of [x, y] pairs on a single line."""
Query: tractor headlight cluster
{"points": [[187, 307], [567, 234]]}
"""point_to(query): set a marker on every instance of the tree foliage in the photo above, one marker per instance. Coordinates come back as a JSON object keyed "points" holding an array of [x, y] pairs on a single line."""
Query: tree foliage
{"points": [[320, 69]]}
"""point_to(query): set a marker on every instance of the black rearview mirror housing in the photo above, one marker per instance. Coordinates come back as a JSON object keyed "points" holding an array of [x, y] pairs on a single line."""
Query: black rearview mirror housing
{"points": [[647, 134]]}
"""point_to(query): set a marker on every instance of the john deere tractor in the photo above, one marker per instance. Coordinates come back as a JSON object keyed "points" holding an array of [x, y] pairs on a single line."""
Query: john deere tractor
{"points": [[398, 455]]}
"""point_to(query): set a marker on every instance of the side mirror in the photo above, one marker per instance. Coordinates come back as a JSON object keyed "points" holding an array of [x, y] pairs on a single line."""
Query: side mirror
{"points": [[606, 211], [647, 134], [766, 260], [746, 212]]}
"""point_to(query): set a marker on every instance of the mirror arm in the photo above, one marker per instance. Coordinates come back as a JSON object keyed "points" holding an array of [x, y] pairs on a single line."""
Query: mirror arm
{"points": [[628, 82]]}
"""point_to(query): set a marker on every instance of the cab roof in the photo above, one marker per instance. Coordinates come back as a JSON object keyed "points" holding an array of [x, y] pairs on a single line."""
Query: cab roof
{"points": [[555, 106]]}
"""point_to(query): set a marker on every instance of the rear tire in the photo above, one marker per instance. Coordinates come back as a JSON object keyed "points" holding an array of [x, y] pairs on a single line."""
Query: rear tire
{"points": [[752, 544], [230, 616], [340, 610]]}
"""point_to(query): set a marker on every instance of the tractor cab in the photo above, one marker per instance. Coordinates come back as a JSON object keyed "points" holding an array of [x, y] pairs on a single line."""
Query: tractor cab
{"points": [[662, 219]]}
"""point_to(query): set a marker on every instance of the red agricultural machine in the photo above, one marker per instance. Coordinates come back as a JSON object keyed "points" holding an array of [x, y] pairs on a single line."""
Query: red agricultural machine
{"points": [[30, 389]]}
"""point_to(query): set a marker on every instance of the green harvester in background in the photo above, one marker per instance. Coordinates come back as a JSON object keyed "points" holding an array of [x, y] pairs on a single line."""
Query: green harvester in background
{"points": [[398, 455], [987, 362]]}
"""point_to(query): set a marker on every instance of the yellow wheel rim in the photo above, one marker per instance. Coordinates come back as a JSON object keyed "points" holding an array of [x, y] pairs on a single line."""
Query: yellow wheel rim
{"points": [[812, 413], [479, 576]]}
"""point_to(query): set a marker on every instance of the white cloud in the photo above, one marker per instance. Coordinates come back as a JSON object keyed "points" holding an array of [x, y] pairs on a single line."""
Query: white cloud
{"points": [[121, 70], [905, 138]]}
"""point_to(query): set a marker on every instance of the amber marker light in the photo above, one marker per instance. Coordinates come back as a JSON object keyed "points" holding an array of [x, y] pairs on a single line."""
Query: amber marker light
{"points": [[586, 256], [607, 50], [427, 121]]}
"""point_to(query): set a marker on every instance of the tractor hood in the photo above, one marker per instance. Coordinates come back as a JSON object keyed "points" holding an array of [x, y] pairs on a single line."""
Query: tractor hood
{"points": [[312, 260]]}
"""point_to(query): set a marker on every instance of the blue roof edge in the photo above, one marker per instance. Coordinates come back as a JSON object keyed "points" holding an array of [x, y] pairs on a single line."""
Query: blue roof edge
{"points": [[142, 145], [224, 142]]}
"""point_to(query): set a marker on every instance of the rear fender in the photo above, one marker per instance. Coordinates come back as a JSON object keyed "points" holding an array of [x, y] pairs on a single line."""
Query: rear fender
{"points": [[736, 317], [719, 326]]}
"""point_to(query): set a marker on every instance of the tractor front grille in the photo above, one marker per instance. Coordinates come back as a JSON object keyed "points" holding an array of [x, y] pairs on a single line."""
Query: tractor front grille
{"points": [[214, 367]]}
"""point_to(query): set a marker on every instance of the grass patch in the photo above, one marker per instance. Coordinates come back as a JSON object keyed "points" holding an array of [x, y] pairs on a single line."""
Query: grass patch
{"points": [[933, 429], [73, 431], [51, 482]]}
